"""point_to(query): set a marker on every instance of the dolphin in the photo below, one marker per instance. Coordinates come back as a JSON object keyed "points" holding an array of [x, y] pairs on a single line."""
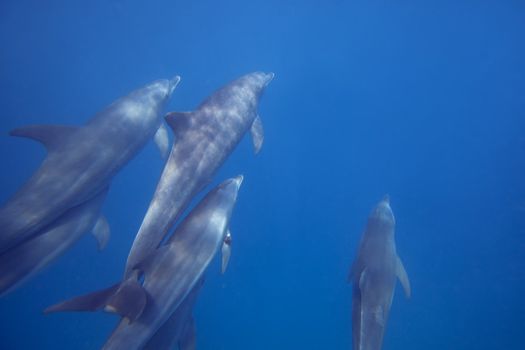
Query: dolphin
{"points": [[81, 161], [373, 275], [226, 251], [179, 329], [204, 139], [169, 274], [28, 258]]}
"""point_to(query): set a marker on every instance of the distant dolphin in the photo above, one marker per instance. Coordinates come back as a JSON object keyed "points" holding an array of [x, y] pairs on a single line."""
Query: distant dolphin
{"points": [[203, 140], [170, 273], [81, 161], [373, 274], [26, 259]]}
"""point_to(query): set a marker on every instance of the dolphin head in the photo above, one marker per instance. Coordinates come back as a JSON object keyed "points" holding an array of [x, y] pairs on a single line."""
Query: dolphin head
{"points": [[146, 105], [159, 91], [382, 215], [257, 82], [242, 95], [230, 188], [215, 208], [222, 198]]}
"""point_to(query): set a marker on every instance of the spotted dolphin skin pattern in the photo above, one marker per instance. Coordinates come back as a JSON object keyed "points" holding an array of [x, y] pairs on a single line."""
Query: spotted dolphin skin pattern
{"points": [[172, 274], [373, 275], [81, 161], [204, 139]]}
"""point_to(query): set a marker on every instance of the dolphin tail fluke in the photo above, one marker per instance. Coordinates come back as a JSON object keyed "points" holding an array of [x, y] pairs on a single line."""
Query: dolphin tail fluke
{"points": [[127, 299], [403, 277], [162, 141], [257, 133], [48, 135], [101, 232], [188, 339]]}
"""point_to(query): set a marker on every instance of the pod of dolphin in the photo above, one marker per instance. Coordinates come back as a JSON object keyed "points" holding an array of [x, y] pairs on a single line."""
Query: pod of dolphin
{"points": [[164, 271]]}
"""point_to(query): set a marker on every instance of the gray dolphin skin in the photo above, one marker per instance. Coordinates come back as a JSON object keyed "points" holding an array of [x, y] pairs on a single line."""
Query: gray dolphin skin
{"points": [[25, 260], [203, 140], [179, 329], [81, 161], [373, 275], [170, 274]]}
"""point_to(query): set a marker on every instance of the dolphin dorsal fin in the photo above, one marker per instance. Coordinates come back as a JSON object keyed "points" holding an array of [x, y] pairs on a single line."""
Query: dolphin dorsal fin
{"points": [[128, 301], [179, 122], [48, 135], [188, 338], [101, 232], [403, 277], [257, 133], [88, 302]]}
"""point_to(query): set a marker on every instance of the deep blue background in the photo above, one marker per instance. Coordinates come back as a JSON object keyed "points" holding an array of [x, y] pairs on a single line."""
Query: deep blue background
{"points": [[424, 100]]}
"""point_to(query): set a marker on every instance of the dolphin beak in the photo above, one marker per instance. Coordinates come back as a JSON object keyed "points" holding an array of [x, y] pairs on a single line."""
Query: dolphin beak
{"points": [[386, 199], [173, 84], [268, 78], [237, 181], [231, 185]]}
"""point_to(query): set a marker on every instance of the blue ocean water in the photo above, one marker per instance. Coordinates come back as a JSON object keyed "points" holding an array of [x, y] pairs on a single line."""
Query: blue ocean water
{"points": [[421, 100]]}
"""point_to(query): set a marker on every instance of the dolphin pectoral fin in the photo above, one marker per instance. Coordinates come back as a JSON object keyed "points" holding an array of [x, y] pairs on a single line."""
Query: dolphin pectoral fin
{"points": [[362, 280], [101, 232], [403, 277], [188, 339], [162, 141], [257, 133], [48, 135], [226, 251], [128, 299], [354, 271], [179, 122]]}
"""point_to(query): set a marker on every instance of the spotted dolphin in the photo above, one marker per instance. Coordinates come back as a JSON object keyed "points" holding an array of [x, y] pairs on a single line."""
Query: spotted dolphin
{"points": [[373, 275], [169, 274], [204, 139], [81, 161]]}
